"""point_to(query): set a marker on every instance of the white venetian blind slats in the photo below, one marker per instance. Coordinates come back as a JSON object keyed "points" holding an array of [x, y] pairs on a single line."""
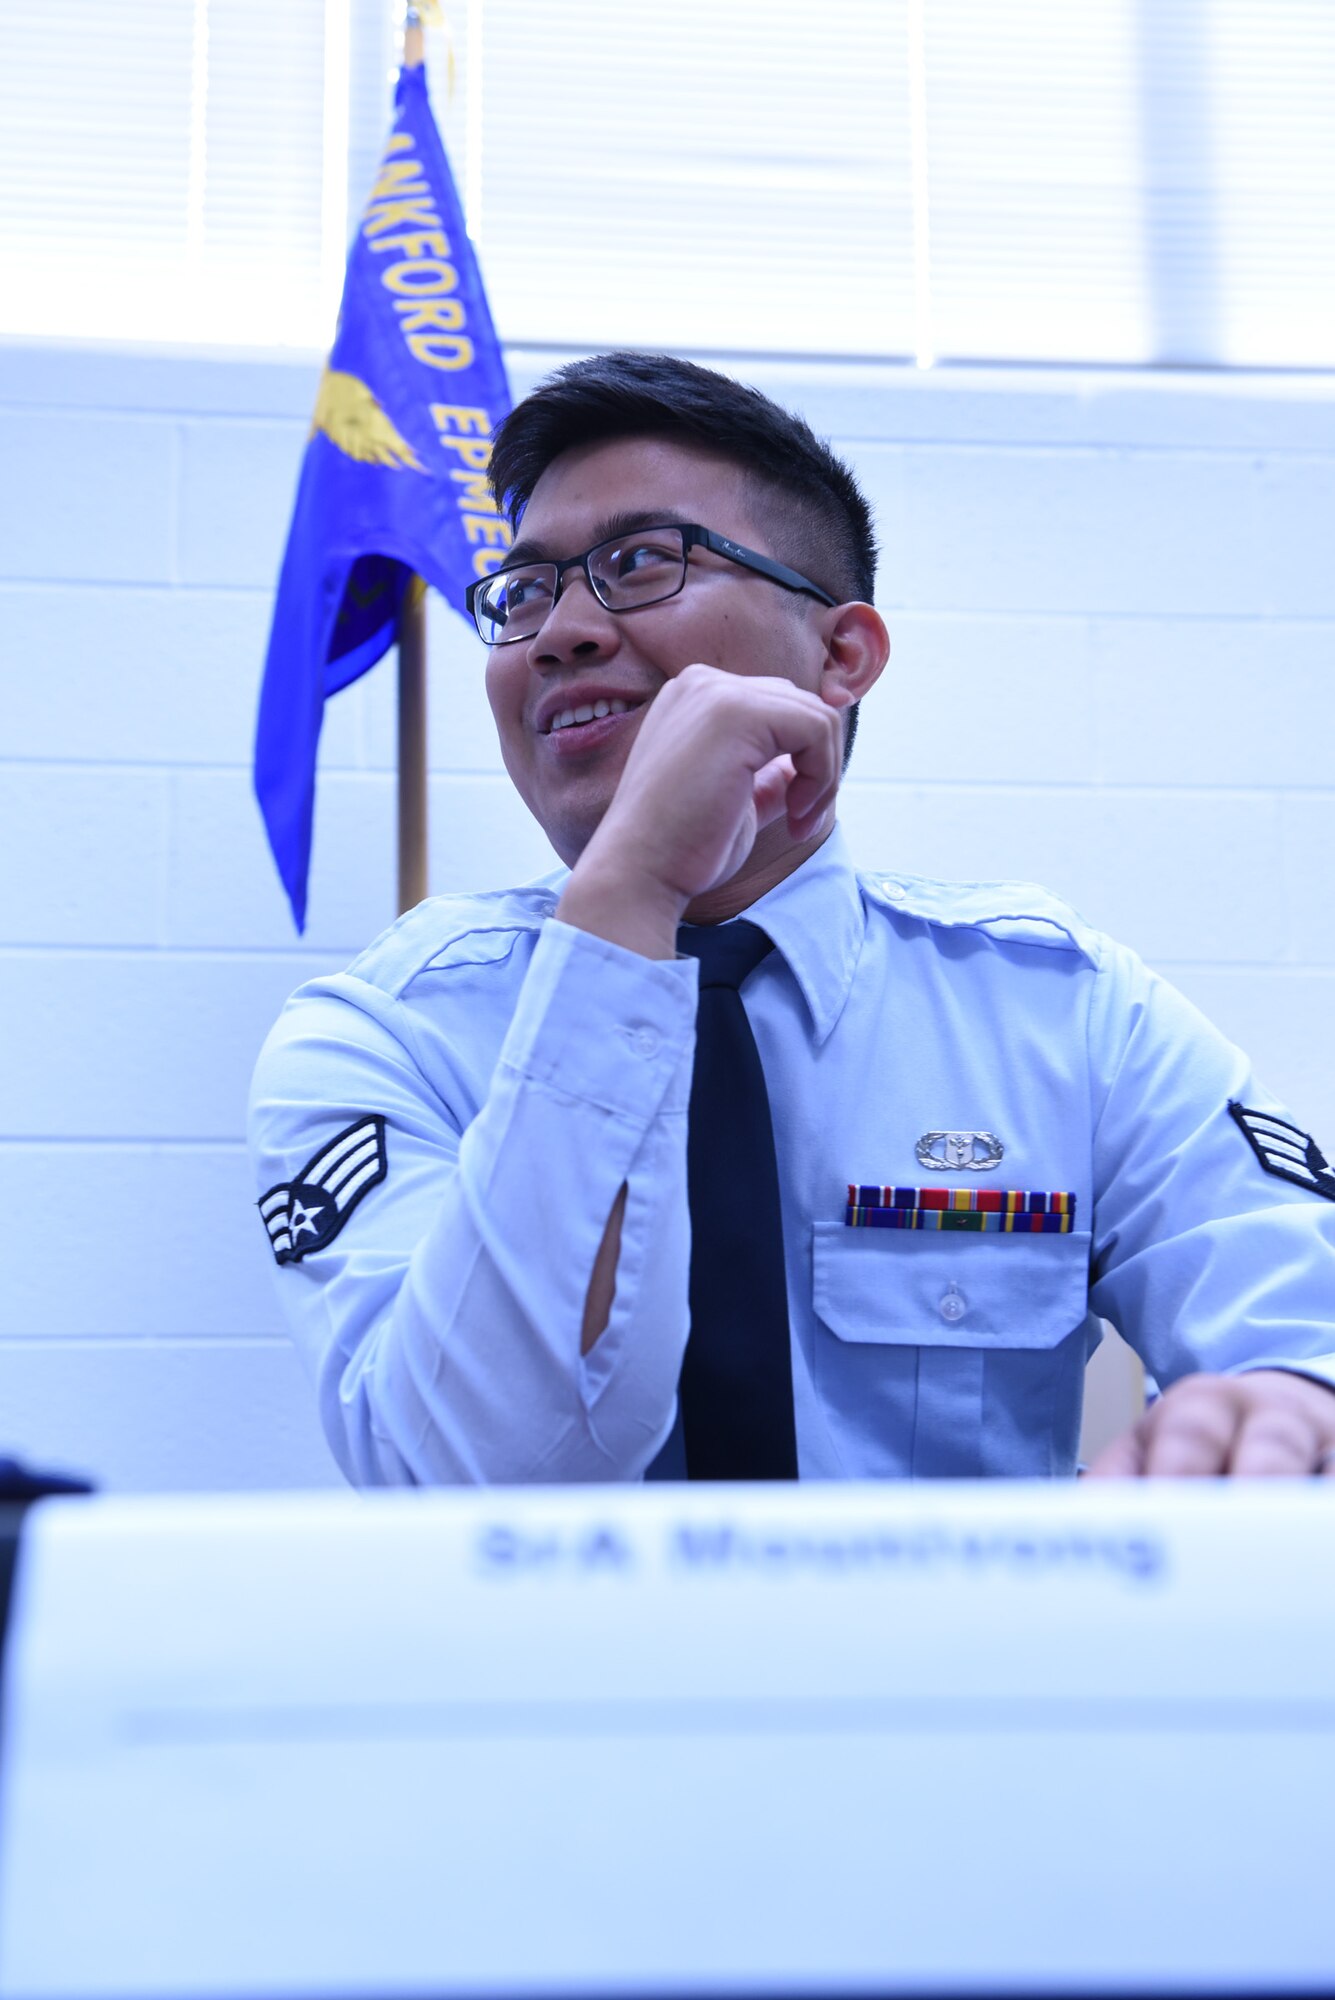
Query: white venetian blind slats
{"points": [[264, 176], [1270, 112], [705, 175], [1033, 180], [161, 170], [1113, 181], [94, 146]]}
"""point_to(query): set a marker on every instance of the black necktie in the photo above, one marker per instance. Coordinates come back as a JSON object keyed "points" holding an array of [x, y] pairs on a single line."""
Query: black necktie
{"points": [[737, 1377]]}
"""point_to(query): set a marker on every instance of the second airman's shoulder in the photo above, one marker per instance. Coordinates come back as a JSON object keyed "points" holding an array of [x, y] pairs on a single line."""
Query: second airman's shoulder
{"points": [[1022, 913]]}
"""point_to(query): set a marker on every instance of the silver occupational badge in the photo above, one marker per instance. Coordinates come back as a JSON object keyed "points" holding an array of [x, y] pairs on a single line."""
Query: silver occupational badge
{"points": [[948, 1152]]}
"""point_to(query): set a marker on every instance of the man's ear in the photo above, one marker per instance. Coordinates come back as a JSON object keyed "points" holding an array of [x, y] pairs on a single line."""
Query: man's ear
{"points": [[857, 647]]}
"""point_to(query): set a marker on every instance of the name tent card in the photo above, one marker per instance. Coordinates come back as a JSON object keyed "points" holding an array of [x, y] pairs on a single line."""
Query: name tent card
{"points": [[761, 1740]]}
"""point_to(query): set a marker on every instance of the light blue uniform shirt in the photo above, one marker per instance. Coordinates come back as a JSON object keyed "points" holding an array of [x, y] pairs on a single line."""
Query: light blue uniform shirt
{"points": [[524, 1070]]}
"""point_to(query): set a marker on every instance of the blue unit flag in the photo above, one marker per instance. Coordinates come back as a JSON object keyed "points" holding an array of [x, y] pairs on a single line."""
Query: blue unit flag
{"points": [[394, 481]]}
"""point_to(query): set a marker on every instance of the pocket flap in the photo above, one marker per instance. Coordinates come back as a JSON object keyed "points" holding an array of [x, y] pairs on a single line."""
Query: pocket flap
{"points": [[920, 1288]]}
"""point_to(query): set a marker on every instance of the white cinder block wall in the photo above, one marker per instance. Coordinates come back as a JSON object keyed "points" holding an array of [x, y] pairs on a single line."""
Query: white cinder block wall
{"points": [[1113, 605]]}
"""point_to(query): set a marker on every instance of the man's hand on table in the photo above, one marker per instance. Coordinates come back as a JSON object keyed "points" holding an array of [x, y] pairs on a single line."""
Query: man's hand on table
{"points": [[1264, 1424]]}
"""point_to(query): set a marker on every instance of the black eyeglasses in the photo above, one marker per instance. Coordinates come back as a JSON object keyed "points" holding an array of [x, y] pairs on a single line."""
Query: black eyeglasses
{"points": [[625, 573]]}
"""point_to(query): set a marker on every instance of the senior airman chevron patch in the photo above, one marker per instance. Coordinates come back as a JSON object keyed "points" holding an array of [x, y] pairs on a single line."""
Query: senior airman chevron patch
{"points": [[307, 1213], [1285, 1150]]}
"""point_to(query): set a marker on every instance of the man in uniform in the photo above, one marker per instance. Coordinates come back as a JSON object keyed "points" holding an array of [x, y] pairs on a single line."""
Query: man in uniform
{"points": [[708, 1157]]}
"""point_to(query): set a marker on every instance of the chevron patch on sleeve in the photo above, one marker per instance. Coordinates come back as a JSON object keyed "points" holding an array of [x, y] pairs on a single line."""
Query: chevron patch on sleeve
{"points": [[1285, 1150], [306, 1214]]}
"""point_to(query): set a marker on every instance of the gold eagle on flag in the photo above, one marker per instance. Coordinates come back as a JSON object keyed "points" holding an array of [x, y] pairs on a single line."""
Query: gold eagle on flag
{"points": [[350, 417]]}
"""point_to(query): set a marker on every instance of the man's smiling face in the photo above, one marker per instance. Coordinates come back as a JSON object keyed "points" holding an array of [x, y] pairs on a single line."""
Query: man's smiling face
{"points": [[585, 655]]}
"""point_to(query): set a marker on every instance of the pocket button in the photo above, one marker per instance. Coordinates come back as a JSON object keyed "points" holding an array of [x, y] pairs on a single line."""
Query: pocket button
{"points": [[953, 1304]]}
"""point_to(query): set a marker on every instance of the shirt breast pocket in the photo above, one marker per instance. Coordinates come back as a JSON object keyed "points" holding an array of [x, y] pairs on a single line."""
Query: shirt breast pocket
{"points": [[948, 1288]]}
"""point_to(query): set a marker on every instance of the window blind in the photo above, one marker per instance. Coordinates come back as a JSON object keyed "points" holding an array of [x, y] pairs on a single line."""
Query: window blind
{"points": [[163, 170], [1118, 181], [731, 176], [1132, 180]]}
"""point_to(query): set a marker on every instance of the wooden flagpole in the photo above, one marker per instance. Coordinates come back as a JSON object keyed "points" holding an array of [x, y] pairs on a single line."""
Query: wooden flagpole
{"points": [[412, 801], [412, 747]]}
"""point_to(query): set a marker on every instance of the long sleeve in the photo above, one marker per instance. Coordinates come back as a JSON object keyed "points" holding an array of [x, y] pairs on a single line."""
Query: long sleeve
{"points": [[521, 1082], [1202, 1258]]}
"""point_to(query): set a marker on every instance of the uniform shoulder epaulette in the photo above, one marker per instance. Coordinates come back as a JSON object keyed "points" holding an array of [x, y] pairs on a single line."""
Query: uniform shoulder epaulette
{"points": [[447, 929], [1012, 912]]}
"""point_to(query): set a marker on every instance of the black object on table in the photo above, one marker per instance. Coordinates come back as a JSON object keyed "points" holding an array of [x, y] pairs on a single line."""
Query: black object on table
{"points": [[20, 1486]]}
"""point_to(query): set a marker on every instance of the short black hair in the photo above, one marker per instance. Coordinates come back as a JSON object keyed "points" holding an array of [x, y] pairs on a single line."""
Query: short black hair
{"points": [[805, 497]]}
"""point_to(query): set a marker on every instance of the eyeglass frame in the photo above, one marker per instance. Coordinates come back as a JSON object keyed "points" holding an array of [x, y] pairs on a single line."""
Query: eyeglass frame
{"points": [[692, 536]]}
